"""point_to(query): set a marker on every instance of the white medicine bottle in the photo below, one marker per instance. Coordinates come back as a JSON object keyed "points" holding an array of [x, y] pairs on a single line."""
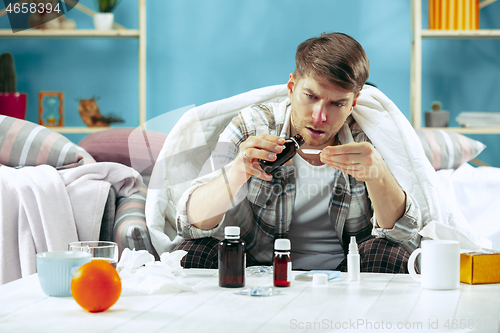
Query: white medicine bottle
{"points": [[353, 263]]}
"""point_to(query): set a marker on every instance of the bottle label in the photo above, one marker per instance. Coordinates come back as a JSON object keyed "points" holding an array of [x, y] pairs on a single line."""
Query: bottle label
{"points": [[289, 272]]}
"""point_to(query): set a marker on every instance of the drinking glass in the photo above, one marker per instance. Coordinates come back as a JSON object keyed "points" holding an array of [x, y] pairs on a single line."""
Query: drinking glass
{"points": [[99, 250]]}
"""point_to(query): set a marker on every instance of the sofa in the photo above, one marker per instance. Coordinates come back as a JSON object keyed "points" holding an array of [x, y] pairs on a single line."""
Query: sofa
{"points": [[26, 146]]}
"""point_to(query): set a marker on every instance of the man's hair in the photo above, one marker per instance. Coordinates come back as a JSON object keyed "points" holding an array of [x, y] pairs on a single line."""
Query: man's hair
{"points": [[336, 57]]}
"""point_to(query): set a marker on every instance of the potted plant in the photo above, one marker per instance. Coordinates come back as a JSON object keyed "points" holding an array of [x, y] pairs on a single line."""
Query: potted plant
{"points": [[437, 117], [12, 103], [103, 19]]}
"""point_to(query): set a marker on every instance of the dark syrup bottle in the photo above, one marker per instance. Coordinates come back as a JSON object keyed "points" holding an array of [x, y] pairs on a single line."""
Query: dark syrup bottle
{"points": [[232, 259], [282, 265], [292, 146]]}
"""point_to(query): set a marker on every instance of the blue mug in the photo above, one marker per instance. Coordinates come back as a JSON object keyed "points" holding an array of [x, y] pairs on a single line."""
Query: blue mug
{"points": [[56, 268]]}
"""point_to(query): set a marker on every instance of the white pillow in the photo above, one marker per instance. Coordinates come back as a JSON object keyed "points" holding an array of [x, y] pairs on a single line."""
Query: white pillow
{"points": [[477, 193]]}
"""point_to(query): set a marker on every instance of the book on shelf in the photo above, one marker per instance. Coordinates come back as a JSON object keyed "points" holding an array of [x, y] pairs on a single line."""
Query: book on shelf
{"points": [[453, 14], [479, 119]]}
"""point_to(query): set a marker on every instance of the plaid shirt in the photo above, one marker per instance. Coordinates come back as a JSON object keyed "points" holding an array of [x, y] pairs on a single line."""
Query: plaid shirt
{"points": [[263, 209]]}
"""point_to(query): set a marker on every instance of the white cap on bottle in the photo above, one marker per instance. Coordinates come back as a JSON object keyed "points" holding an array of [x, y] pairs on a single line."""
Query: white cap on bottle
{"points": [[232, 232], [282, 244], [353, 246], [320, 279]]}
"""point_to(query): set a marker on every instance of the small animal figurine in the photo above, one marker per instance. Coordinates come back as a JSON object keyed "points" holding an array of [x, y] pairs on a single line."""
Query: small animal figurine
{"points": [[92, 117], [43, 15]]}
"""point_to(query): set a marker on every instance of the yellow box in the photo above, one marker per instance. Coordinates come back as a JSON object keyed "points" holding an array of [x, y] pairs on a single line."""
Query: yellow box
{"points": [[480, 267]]}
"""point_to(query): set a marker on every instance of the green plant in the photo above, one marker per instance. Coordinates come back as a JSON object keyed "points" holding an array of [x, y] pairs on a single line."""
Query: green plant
{"points": [[436, 106], [7, 73], [106, 6]]}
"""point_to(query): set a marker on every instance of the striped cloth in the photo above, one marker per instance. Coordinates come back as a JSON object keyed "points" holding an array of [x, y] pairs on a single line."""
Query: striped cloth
{"points": [[201, 253], [130, 230], [448, 150], [23, 143]]}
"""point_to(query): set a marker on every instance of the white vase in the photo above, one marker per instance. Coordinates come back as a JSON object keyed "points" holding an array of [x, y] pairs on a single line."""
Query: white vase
{"points": [[103, 21]]}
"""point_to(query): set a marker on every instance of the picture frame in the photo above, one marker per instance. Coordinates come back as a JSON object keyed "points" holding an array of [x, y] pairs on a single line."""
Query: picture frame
{"points": [[51, 108]]}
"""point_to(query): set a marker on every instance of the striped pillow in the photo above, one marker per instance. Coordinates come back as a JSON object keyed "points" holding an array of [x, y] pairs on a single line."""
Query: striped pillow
{"points": [[130, 230], [23, 143], [448, 150]]}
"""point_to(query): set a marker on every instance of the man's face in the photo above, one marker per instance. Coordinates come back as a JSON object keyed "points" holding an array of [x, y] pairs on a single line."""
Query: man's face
{"points": [[319, 109]]}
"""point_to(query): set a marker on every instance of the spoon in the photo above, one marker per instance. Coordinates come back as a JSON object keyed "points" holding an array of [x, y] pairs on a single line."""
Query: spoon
{"points": [[311, 151]]}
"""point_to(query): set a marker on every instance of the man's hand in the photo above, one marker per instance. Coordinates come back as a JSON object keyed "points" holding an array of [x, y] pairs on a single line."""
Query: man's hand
{"points": [[360, 160], [209, 202], [364, 162], [264, 147]]}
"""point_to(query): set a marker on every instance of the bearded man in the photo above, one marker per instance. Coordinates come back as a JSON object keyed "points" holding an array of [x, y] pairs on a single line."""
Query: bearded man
{"points": [[318, 201]]}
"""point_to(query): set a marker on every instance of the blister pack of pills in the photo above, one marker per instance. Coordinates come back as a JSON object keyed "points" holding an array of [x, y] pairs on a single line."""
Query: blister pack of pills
{"points": [[259, 291]]}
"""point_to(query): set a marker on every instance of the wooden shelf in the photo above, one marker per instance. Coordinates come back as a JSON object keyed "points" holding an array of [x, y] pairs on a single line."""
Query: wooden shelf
{"points": [[77, 33], [118, 33], [418, 34], [466, 130], [80, 129], [461, 34]]}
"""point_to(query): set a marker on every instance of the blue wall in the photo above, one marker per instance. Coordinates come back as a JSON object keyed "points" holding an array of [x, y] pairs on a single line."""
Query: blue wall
{"points": [[200, 51]]}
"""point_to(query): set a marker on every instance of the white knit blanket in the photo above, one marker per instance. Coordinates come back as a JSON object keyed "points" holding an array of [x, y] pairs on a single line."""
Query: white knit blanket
{"points": [[193, 138], [44, 209]]}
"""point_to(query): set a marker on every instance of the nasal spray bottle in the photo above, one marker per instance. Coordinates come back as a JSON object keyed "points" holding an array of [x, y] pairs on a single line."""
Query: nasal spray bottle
{"points": [[353, 261]]}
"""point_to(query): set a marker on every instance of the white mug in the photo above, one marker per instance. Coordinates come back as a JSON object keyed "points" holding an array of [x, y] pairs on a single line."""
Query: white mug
{"points": [[439, 264]]}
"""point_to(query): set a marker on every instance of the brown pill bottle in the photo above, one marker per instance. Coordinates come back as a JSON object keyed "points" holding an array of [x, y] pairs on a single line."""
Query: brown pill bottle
{"points": [[232, 259], [292, 146]]}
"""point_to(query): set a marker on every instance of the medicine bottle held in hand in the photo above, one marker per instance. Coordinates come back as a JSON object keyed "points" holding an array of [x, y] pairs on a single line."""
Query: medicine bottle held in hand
{"points": [[282, 265], [232, 259], [353, 264], [291, 147]]}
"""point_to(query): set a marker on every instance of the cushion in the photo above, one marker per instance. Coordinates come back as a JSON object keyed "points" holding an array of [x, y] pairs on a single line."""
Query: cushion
{"points": [[130, 230], [23, 143], [133, 147], [448, 150]]}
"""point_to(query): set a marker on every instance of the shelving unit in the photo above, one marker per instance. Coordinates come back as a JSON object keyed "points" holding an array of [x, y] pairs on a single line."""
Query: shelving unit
{"points": [[78, 33], [119, 33], [416, 64]]}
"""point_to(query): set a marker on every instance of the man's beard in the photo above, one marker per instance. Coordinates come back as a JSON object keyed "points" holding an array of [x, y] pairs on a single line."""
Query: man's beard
{"points": [[300, 128]]}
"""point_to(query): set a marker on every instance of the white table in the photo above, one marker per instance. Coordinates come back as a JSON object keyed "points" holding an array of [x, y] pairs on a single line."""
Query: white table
{"points": [[379, 302]]}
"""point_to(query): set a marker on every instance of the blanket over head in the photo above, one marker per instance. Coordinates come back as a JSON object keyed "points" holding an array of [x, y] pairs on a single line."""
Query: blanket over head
{"points": [[44, 209], [194, 137]]}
